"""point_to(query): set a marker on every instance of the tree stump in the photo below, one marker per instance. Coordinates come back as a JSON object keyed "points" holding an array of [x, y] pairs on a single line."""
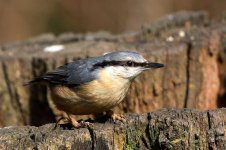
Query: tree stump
{"points": [[163, 129]]}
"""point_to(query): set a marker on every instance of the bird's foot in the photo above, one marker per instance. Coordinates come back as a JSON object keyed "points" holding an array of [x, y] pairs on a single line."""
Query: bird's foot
{"points": [[72, 121], [83, 124], [115, 117], [62, 120]]}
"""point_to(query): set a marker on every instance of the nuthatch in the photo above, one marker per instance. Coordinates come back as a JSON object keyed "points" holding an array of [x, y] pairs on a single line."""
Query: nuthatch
{"points": [[94, 85]]}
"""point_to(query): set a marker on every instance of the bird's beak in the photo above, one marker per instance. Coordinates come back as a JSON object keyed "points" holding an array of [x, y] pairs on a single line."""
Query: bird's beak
{"points": [[153, 65]]}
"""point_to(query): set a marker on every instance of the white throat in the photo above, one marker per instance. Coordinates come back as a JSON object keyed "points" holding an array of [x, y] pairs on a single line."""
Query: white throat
{"points": [[124, 72]]}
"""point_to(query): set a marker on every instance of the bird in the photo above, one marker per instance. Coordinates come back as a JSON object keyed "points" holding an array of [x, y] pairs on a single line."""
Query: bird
{"points": [[96, 84]]}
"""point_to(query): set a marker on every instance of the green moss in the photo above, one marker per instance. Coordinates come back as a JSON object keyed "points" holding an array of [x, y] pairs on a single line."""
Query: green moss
{"points": [[133, 136], [198, 142], [154, 134]]}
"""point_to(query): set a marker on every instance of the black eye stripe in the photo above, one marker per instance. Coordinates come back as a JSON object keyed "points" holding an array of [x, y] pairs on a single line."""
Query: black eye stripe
{"points": [[130, 63], [120, 63]]}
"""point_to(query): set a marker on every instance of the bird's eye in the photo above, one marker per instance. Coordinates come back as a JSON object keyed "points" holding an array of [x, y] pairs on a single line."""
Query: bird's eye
{"points": [[130, 63]]}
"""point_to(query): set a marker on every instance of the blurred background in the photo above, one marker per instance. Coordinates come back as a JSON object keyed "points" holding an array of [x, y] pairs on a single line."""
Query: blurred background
{"points": [[21, 19]]}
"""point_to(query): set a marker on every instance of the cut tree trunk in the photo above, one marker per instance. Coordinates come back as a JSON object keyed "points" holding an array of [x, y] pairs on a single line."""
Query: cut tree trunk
{"points": [[163, 129], [187, 43]]}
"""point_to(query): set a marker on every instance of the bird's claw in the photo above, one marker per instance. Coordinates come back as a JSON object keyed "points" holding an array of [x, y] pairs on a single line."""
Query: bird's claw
{"points": [[116, 117], [75, 123], [83, 124]]}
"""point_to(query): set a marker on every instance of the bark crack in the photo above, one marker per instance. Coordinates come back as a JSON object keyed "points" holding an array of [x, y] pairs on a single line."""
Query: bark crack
{"points": [[210, 132], [209, 120], [189, 44], [93, 137], [14, 97], [113, 138]]}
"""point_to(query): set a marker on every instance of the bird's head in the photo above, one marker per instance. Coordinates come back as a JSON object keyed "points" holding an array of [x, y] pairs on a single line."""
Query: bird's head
{"points": [[125, 64]]}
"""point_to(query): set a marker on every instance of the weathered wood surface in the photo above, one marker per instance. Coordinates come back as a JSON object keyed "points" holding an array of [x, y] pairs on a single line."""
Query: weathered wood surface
{"points": [[187, 43], [163, 129]]}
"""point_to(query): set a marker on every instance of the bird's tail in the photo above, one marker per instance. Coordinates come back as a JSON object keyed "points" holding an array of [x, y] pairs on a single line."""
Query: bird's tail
{"points": [[34, 81]]}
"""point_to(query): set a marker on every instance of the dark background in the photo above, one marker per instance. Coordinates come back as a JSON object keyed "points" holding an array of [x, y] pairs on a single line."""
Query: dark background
{"points": [[21, 19]]}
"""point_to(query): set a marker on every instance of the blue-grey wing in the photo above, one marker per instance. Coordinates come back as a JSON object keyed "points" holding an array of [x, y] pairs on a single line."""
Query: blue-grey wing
{"points": [[81, 72], [72, 74]]}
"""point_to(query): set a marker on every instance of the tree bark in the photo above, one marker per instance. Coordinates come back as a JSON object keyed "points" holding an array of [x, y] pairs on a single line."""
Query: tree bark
{"points": [[163, 129]]}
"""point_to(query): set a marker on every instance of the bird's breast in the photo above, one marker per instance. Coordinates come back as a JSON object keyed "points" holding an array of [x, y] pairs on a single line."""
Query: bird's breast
{"points": [[105, 91], [93, 97]]}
